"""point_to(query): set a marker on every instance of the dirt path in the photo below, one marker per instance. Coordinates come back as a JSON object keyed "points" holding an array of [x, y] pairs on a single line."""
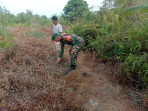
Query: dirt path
{"points": [[89, 86], [103, 93]]}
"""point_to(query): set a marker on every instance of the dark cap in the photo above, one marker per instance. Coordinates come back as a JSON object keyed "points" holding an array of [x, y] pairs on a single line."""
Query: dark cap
{"points": [[54, 36], [54, 18]]}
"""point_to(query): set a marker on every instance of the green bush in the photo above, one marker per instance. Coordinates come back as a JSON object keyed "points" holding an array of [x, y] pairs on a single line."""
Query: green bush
{"points": [[131, 50], [136, 66], [115, 36], [6, 39]]}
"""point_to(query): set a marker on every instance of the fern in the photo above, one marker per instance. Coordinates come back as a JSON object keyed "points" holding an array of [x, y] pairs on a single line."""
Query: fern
{"points": [[136, 66]]}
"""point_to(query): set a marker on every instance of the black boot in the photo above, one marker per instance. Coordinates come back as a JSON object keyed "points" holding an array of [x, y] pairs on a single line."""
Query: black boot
{"points": [[72, 67]]}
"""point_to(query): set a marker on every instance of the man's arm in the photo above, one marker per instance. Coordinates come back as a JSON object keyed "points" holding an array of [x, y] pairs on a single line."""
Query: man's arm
{"points": [[61, 51], [53, 32], [60, 29], [78, 43]]}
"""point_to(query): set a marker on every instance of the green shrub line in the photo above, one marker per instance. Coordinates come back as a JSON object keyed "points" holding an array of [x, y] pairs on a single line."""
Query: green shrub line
{"points": [[113, 35]]}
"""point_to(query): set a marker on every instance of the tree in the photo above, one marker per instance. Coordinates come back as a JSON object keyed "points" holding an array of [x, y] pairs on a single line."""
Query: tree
{"points": [[24, 17], [75, 8], [6, 17]]}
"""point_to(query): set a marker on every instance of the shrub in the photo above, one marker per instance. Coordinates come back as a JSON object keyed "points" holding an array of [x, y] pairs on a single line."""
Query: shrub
{"points": [[6, 39], [117, 37]]}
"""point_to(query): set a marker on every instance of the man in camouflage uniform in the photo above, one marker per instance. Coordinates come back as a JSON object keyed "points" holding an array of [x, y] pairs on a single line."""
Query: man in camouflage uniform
{"points": [[76, 43]]}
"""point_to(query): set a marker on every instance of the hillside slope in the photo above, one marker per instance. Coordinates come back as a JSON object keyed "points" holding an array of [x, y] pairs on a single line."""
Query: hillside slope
{"points": [[30, 79]]}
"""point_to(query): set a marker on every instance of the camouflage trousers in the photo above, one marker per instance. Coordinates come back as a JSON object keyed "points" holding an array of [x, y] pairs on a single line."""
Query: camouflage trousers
{"points": [[74, 56]]}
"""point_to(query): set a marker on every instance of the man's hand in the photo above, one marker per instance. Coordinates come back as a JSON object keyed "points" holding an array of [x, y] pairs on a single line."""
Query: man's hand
{"points": [[59, 60], [72, 51]]}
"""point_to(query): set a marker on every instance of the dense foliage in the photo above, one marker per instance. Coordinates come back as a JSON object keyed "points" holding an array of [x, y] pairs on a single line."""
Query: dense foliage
{"points": [[119, 30], [75, 8]]}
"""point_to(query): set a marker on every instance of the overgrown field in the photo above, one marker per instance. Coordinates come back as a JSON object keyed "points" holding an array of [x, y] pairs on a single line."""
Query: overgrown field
{"points": [[31, 80], [120, 36], [116, 35]]}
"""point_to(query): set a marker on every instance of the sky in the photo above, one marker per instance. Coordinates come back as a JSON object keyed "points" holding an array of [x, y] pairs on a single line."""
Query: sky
{"points": [[42, 7]]}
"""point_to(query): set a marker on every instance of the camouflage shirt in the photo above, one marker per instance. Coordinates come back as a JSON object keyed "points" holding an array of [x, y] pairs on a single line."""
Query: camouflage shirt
{"points": [[72, 40]]}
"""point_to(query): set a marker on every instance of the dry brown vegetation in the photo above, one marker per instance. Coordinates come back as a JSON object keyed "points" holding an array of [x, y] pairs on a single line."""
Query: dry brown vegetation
{"points": [[30, 80]]}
